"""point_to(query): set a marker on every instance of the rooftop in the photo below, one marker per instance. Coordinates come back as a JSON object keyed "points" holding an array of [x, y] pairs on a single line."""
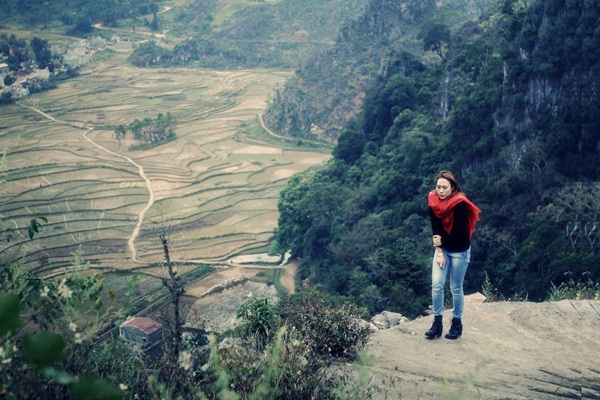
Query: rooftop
{"points": [[147, 325]]}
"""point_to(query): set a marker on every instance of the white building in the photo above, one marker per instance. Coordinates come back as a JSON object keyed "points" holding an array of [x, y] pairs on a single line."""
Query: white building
{"points": [[42, 74], [78, 54], [17, 91]]}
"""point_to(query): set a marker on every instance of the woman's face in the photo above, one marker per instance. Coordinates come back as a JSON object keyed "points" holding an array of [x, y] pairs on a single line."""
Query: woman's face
{"points": [[443, 188]]}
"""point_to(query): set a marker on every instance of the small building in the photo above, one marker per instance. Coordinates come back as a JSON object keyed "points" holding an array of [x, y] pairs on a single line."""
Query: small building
{"points": [[122, 46], [143, 332], [17, 91], [78, 54], [42, 74]]}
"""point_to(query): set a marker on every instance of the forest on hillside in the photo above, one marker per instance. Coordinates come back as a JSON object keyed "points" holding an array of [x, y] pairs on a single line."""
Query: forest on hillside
{"points": [[77, 15], [329, 87], [257, 35], [512, 108]]}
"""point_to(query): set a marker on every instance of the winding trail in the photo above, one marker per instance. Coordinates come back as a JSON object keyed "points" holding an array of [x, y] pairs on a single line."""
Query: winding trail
{"points": [[289, 138], [142, 214], [270, 132], [141, 173]]}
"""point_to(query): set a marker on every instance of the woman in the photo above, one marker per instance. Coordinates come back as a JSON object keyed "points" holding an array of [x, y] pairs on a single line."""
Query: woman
{"points": [[453, 219]]}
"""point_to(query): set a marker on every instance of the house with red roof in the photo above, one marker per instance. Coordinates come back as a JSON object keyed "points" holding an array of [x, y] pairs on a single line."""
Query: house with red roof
{"points": [[143, 332]]}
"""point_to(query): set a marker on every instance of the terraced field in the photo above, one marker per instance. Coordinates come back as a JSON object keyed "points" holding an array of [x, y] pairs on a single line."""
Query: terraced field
{"points": [[215, 187]]}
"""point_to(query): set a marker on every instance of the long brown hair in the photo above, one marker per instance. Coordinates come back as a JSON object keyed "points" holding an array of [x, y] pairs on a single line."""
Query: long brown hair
{"points": [[452, 179]]}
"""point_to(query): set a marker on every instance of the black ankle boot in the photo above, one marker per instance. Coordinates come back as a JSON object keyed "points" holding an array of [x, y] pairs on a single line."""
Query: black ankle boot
{"points": [[436, 328], [455, 329]]}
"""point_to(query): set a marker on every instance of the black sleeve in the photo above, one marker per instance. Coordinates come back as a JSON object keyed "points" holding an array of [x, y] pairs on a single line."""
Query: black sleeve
{"points": [[436, 224]]}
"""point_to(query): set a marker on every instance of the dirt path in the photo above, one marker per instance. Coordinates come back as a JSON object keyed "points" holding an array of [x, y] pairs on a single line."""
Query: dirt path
{"points": [[154, 34], [507, 351], [287, 276], [50, 117], [148, 183], [270, 132]]}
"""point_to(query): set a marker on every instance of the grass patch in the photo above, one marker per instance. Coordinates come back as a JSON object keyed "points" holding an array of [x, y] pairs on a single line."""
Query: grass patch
{"points": [[196, 273], [267, 276]]}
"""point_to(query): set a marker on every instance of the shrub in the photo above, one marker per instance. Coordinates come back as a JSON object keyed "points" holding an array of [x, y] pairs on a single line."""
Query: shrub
{"points": [[329, 326], [261, 319], [283, 369], [584, 289]]}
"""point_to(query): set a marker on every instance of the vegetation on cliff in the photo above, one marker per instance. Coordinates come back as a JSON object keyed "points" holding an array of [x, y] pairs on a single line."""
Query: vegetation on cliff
{"points": [[329, 88], [513, 110], [251, 34], [78, 15]]}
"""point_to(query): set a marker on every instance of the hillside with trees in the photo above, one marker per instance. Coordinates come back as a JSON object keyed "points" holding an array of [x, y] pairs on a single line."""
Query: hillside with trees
{"points": [[512, 108], [198, 33], [253, 34], [77, 16], [329, 88]]}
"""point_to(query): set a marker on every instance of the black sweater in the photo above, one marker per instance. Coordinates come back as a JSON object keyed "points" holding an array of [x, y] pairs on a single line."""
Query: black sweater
{"points": [[458, 239]]}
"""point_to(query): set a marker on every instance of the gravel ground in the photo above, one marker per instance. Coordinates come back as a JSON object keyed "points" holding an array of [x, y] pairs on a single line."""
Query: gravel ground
{"points": [[508, 350], [218, 311]]}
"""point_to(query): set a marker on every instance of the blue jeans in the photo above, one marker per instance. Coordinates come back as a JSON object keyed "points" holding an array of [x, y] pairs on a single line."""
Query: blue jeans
{"points": [[456, 265]]}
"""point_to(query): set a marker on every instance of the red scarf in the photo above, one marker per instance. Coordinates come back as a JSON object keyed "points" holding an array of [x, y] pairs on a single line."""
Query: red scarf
{"points": [[443, 209]]}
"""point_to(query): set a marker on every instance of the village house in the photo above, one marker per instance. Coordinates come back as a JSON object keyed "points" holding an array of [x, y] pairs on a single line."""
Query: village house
{"points": [[41, 74], [17, 91], [120, 46], [98, 42], [142, 332], [78, 54]]}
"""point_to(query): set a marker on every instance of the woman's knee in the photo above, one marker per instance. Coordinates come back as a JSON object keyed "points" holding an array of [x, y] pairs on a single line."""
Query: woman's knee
{"points": [[456, 290]]}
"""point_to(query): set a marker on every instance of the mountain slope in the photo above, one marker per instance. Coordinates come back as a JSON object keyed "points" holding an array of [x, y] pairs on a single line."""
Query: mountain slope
{"points": [[513, 111], [330, 87], [246, 34]]}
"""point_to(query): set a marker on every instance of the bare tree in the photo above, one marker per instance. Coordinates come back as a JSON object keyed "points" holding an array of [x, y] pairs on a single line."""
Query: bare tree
{"points": [[577, 207], [172, 281]]}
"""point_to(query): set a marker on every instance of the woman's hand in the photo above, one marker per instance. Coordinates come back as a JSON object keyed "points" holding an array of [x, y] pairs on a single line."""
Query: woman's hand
{"points": [[439, 257]]}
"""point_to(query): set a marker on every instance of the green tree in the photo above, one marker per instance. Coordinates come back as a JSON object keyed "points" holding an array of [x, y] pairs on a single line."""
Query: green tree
{"points": [[154, 26], [9, 80], [436, 38], [41, 49], [120, 132]]}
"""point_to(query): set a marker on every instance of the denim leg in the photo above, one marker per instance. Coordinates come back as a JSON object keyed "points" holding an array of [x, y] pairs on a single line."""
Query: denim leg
{"points": [[438, 281], [458, 268]]}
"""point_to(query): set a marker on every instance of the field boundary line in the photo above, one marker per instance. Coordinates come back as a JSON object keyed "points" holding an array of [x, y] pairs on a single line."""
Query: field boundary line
{"points": [[141, 173]]}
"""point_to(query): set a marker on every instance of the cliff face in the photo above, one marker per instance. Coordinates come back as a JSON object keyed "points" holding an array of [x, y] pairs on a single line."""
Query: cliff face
{"points": [[507, 351], [552, 81], [330, 87]]}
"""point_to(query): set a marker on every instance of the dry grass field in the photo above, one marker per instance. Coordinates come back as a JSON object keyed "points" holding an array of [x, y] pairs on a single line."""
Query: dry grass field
{"points": [[215, 187]]}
